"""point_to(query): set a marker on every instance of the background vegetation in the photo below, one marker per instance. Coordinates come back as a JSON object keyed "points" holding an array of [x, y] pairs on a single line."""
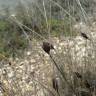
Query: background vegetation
{"points": [[24, 29]]}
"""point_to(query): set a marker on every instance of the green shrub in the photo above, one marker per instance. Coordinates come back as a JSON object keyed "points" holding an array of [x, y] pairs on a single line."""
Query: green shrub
{"points": [[59, 27], [11, 39], [3, 25]]}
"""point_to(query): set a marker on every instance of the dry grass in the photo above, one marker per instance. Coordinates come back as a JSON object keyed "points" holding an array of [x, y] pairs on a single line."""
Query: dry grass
{"points": [[71, 65]]}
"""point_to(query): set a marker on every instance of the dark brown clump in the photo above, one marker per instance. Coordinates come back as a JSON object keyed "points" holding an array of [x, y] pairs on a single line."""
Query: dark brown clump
{"points": [[84, 36], [47, 47], [10, 63], [78, 75], [55, 84], [87, 85]]}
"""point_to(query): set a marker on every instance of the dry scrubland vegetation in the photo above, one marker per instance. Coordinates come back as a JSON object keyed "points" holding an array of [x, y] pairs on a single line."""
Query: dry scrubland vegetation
{"points": [[68, 69]]}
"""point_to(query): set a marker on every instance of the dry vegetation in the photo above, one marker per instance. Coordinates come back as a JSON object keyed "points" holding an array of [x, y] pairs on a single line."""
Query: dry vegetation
{"points": [[68, 69]]}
